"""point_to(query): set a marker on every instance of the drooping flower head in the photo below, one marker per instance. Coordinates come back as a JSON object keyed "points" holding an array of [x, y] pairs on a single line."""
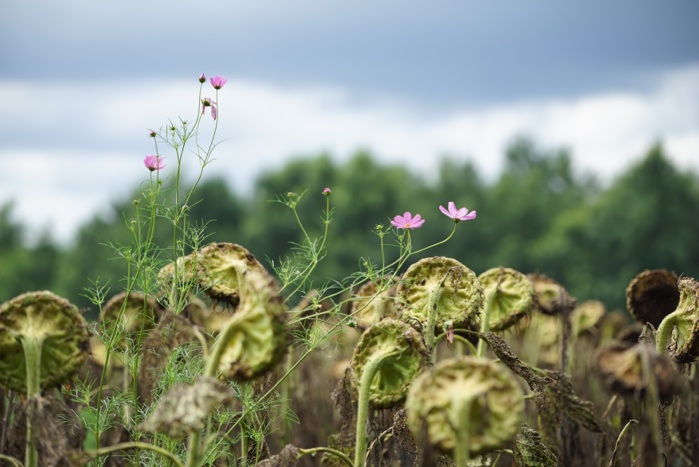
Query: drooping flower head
{"points": [[461, 214], [202, 78], [208, 102], [218, 81], [154, 162], [407, 221]]}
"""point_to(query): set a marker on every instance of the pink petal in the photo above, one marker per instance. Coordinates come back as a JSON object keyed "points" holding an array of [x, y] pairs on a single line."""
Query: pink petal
{"points": [[461, 212]]}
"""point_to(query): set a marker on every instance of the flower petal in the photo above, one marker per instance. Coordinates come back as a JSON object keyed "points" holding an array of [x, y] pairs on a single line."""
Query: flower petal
{"points": [[452, 208]]}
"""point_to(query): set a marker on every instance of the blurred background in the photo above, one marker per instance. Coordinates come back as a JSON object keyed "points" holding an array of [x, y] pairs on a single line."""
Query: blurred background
{"points": [[572, 128]]}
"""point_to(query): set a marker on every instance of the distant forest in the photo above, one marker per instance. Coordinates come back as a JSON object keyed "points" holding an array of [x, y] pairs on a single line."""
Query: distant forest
{"points": [[537, 216]]}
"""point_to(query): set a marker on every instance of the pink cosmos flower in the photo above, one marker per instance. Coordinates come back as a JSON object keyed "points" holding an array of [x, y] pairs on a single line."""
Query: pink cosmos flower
{"points": [[154, 162], [461, 214], [218, 81], [407, 221], [327, 191], [202, 78], [208, 102]]}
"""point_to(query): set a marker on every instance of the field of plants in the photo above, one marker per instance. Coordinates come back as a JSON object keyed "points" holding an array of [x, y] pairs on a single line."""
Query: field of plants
{"points": [[209, 356]]}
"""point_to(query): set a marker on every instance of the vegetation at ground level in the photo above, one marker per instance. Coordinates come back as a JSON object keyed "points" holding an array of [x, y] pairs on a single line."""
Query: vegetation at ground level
{"points": [[539, 215]]}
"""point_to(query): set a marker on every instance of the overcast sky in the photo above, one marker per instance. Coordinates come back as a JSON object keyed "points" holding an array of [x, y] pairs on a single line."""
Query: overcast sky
{"points": [[81, 81]]}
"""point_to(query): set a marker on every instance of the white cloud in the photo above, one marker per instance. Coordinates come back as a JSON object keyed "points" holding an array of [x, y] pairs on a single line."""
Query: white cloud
{"points": [[68, 149]]}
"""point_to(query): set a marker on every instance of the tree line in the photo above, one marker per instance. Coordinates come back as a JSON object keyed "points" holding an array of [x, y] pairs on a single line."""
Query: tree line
{"points": [[538, 216]]}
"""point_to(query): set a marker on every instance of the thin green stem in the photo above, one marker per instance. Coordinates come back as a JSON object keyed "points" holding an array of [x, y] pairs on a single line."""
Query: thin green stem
{"points": [[432, 308], [193, 450], [340, 455], [664, 331], [436, 244], [460, 339], [463, 435], [32, 357], [134, 445], [485, 321], [11, 460], [370, 369]]}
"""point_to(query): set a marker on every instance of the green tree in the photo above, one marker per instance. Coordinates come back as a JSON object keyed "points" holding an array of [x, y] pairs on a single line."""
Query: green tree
{"points": [[22, 267], [645, 220], [534, 189]]}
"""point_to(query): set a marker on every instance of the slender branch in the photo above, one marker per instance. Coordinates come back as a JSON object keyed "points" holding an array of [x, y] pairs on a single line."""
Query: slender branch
{"points": [[135, 445], [340, 455]]}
